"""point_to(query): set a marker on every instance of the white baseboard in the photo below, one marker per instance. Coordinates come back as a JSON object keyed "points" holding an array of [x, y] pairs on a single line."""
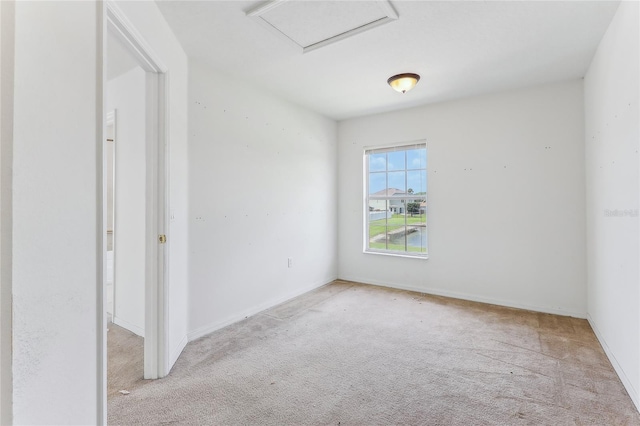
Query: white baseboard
{"points": [[203, 331], [633, 393], [129, 326], [469, 297]]}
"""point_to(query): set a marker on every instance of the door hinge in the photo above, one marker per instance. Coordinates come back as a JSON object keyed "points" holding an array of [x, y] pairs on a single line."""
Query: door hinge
{"points": [[162, 238]]}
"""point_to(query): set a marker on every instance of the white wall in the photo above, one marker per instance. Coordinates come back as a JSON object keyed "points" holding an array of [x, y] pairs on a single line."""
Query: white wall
{"points": [[6, 157], [611, 135], [262, 189], [126, 95], [505, 199], [148, 20], [57, 128], [57, 131]]}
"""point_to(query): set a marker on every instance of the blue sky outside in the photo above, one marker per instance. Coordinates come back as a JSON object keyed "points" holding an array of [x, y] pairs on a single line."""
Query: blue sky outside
{"points": [[398, 166]]}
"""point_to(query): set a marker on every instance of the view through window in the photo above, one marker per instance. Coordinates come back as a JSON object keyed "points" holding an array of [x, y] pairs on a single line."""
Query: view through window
{"points": [[396, 202]]}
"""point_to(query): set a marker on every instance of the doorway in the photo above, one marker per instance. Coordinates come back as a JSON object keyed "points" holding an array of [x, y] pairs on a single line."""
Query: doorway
{"points": [[125, 332], [138, 235]]}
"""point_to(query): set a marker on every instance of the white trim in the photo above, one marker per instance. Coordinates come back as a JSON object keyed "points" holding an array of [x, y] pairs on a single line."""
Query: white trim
{"points": [[364, 203], [264, 8], [156, 329], [399, 254], [129, 326], [110, 121], [7, 51], [151, 308], [626, 382], [467, 296], [101, 222], [348, 34], [422, 141], [257, 12], [366, 197], [123, 29], [164, 358], [387, 7], [207, 329]]}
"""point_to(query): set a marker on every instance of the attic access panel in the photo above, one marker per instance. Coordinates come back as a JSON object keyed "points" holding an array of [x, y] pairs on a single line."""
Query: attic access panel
{"points": [[313, 24]]}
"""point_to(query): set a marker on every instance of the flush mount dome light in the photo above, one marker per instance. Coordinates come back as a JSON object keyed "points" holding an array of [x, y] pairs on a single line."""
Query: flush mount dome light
{"points": [[403, 82]]}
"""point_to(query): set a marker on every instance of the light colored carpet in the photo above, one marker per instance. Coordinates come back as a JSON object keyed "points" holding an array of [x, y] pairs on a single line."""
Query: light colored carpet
{"points": [[125, 362], [351, 354]]}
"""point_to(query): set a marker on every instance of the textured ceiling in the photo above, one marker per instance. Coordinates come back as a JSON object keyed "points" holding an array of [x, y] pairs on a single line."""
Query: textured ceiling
{"points": [[308, 23], [460, 49]]}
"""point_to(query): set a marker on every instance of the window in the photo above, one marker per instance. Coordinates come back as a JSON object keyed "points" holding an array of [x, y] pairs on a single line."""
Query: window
{"points": [[396, 200]]}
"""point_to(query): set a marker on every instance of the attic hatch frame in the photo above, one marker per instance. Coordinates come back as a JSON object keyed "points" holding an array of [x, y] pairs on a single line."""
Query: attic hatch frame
{"points": [[256, 14], [156, 342]]}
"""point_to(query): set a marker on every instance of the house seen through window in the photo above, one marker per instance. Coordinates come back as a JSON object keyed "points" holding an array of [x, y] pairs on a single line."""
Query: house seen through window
{"points": [[396, 200]]}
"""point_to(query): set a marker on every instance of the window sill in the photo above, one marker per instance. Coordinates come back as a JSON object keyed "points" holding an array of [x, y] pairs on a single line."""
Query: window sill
{"points": [[386, 253]]}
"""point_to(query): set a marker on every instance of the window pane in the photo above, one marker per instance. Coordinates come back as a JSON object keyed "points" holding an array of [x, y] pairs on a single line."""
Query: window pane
{"points": [[397, 181], [377, 162], [375, 208], [417, 225], [396, 160], [396, 230], [417, 159], [377, 183], [416, 181], [397, 224], [378, 216]]}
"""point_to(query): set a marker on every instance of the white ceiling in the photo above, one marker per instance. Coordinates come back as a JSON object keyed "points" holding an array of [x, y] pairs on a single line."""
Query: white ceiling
{"points": [[313, 24], [460, 49]]}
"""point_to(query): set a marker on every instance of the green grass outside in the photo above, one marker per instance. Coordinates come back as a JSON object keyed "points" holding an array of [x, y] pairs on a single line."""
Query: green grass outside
{"points": [[377, 227]]}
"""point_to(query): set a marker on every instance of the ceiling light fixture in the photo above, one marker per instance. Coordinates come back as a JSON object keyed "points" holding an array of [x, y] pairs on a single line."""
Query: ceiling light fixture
{"points": [[403, 82]]}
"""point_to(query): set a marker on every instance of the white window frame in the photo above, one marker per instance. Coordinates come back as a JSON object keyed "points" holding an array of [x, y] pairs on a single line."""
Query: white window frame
{"points": [[366, 198]]}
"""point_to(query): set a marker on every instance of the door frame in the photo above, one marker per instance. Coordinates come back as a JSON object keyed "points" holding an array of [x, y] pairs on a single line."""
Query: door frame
{"points": [[7, 37], [156, 348], [110, 121]]}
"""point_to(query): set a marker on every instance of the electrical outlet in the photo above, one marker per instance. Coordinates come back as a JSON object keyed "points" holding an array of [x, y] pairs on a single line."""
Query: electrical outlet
{"points": [[290, 262]]}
